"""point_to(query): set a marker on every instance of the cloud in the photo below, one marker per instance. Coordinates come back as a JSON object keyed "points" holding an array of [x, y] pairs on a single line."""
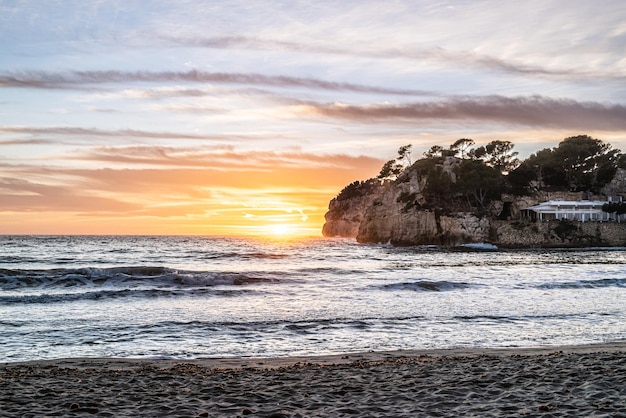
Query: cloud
{"points": [[219, 158], [121, 133], [534, 111], [438, 54], [22, 195], [154, 93], [169, 181], [23, 141], [83, 79]]}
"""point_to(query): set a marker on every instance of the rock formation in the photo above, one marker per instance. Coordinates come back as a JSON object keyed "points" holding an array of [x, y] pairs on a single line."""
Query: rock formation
{"points": [[346, 211], [404, 212]]}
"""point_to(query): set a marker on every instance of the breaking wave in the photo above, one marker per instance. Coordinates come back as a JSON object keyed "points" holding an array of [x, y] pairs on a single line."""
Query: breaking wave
{"points": [[427, 286], [586, 284], [124, 278]]}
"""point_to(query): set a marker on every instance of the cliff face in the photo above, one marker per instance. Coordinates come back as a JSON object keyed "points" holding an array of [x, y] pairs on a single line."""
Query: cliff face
{"points": [[344, 217], [346, 211], [391, 219], [398, 212], [392, 211], [522, 234]]}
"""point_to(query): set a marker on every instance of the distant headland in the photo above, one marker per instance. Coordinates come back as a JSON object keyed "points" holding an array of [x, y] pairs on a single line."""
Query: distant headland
{"points": [[571, 195]]}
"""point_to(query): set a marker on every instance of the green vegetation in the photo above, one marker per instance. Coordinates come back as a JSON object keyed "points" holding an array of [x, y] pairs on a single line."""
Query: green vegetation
{"points": [[618, 208], [392, 168], [465, 177], [578, 163], [477, 178], [566, 229], [478, 183], [356, 189], [498, 154]]}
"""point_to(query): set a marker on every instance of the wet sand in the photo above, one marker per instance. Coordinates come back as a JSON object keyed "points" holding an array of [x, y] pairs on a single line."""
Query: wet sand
{"points": [[552, 381]]}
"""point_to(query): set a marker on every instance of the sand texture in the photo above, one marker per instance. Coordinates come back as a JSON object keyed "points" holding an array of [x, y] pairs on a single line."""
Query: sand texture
{"points": [[583, 381]]}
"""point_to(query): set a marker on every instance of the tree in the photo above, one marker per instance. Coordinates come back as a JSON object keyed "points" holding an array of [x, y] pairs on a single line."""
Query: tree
{"points": [[618, 208], [477, 153], [546, 168], [439, 187], [356, 189], [478, 183], [392, 168], [404, 154], [434, 151], [588, 163], [578, 163], [497, 154], [519, 180], [501, 156], [462, 145]]}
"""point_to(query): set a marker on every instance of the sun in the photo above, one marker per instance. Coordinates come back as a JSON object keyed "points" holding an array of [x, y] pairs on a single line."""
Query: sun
{"points": [[280, 229]]}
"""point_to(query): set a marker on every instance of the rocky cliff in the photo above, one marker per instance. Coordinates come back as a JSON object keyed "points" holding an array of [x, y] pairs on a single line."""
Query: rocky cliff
{"points": [[346, 211], [401, 212]]}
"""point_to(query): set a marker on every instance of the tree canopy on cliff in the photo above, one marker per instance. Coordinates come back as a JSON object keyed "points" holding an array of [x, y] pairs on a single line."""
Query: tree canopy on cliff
{"points": [[463, 176], [478, 183], [462, 146], [578, 163], [497, 154], [356, 189], [392, 168]]}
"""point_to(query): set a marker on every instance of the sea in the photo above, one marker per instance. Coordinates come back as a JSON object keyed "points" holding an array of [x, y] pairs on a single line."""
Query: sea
{"points": [[204, 297]]}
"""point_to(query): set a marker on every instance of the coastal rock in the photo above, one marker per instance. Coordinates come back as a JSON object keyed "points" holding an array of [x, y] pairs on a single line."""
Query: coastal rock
{"points": [[525, 234], [385, 223], [399, 212], [394, 212], [617, 186], [347, 210]]}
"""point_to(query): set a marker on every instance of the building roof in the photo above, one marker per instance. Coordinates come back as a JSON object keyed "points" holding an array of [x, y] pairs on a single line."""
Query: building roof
{"points": [[558, 205]]}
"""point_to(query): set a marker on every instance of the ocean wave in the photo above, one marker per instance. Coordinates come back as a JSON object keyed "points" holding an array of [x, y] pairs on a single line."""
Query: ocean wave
{"points": [[308, 326], [585, 284], [476, 247], [233, 255], [426, 286], [14, 259], [526, 318], [124, 277], [115, 294]]}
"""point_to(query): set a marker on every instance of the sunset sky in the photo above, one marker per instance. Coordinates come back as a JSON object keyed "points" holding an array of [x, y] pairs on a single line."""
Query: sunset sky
{"points": [[247, 117]]}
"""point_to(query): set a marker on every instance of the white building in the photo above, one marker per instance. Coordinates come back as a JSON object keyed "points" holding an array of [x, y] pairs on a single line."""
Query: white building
{"points": [[582, 210]]}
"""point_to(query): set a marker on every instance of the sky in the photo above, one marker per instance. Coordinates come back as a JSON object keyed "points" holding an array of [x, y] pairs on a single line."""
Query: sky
{"points": [[246, 117]]}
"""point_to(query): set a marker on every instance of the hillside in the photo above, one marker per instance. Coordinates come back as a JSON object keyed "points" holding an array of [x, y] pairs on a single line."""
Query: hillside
{"points": [[462, 195]]}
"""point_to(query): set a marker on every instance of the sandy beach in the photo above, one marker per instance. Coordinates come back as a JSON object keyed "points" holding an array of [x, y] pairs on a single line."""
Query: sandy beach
{"points": [[552, 381]]}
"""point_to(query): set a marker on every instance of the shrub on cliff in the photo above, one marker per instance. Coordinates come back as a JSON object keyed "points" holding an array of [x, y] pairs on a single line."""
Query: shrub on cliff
{"points": [[356, 189], [618, 208]]}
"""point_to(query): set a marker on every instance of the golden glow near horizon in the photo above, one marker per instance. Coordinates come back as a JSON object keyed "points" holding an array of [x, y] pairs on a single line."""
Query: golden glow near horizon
{"points": [[245, 117]]}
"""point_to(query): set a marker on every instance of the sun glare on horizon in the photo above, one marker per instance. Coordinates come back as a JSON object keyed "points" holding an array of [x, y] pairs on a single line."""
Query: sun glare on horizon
{"points": [[285, 231], [277, 219], [280, 229]]}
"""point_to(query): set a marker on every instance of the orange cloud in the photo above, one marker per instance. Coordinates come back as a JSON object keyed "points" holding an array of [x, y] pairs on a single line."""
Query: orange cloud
{"points": [[205, 193]]}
